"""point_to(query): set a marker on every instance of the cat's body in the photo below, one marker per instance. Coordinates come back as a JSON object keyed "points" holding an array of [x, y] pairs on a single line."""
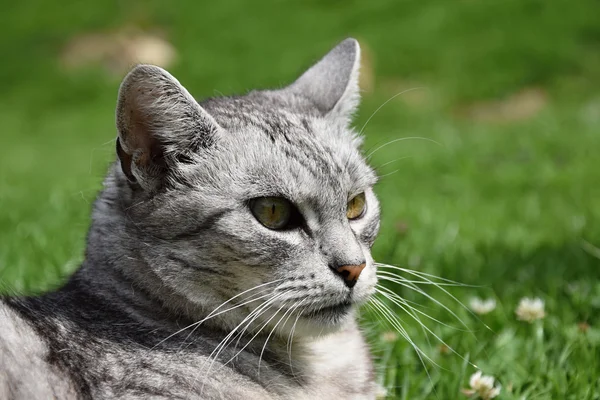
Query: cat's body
{"points": [[91, 352], [176, 260]]}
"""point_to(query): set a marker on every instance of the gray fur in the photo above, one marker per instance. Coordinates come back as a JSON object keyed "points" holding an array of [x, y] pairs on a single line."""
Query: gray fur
{"points": [[172, 239]]}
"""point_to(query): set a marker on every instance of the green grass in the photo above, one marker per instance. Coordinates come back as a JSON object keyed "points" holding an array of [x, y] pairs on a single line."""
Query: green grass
{"points": [[502, 206]]}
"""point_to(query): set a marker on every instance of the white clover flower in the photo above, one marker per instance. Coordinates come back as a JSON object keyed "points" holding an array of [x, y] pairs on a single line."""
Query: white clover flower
{"points": [[482, 386], [530, 309], [482, 306]]}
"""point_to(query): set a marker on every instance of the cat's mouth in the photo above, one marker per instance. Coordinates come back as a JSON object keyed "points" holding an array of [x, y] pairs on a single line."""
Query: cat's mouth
{"points": [[330, 312]]}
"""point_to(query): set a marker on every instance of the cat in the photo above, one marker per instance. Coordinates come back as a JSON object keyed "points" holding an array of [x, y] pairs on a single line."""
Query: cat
{"points": [[227, 255]]}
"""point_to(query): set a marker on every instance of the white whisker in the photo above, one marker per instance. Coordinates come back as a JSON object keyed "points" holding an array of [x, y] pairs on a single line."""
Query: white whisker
{"points": [[388, 174], [384, 103], [291, 335], [394, 299], [212, 313], [396, 322], [388, 292], [248, 320], [248, 301], [254, 337], [423, 275], [393, 161], [288, 312], [397, 280], [368, 156], [397, 325]]}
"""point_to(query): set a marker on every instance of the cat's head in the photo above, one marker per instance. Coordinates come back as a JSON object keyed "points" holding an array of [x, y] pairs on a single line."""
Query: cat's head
{"points": [[265, 194]]}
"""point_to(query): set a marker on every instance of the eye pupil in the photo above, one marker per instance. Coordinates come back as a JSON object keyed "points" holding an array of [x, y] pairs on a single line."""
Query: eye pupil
{"points": [[273, 212]]}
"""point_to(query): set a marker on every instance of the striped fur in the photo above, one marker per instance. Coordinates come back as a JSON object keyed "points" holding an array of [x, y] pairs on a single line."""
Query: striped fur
{"points": [[172, 241]]}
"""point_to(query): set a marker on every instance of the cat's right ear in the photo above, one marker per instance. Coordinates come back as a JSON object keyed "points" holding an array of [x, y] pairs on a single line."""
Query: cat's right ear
{"points": [[332, 83], [159, 124]]}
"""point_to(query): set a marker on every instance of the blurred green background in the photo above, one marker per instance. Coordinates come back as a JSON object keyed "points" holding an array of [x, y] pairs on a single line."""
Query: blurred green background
{"points": [[507, 201]]}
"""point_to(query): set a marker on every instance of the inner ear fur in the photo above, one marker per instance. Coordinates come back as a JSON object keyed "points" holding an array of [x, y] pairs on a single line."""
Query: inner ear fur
{"points": [[157, 121]]}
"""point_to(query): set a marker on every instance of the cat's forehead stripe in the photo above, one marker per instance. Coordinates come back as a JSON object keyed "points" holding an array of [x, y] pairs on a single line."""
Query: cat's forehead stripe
{"points": [[292, 131]]}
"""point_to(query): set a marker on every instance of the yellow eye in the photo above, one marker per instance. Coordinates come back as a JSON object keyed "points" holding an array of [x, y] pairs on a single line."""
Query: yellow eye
{"points": [[272, 212], [357, 206]]}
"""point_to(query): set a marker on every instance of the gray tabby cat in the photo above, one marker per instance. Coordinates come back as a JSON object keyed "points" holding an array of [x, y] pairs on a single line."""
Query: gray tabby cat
{"points": [[226, 257]]}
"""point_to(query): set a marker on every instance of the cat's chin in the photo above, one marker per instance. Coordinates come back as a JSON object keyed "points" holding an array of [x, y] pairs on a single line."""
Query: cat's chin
{"points": [[324, 321]]}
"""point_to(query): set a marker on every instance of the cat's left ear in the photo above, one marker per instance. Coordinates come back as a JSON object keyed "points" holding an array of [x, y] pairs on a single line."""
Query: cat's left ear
{"points": [[332, 83], [160, 126]]}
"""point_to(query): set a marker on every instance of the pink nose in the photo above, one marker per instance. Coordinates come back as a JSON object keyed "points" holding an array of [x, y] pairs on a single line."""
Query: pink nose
{"points": [[350, 273]]}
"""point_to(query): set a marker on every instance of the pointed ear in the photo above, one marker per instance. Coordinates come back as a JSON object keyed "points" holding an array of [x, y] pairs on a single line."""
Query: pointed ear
{"points": [[160, 125], [332, 83]]}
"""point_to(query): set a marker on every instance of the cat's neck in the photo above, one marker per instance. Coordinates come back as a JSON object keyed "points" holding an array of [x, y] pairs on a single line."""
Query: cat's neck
{"points": [[124, 281]]}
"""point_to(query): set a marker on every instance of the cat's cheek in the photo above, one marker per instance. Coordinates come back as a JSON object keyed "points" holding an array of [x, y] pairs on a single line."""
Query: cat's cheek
{"points": [[369, 283], [367, 229]]}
